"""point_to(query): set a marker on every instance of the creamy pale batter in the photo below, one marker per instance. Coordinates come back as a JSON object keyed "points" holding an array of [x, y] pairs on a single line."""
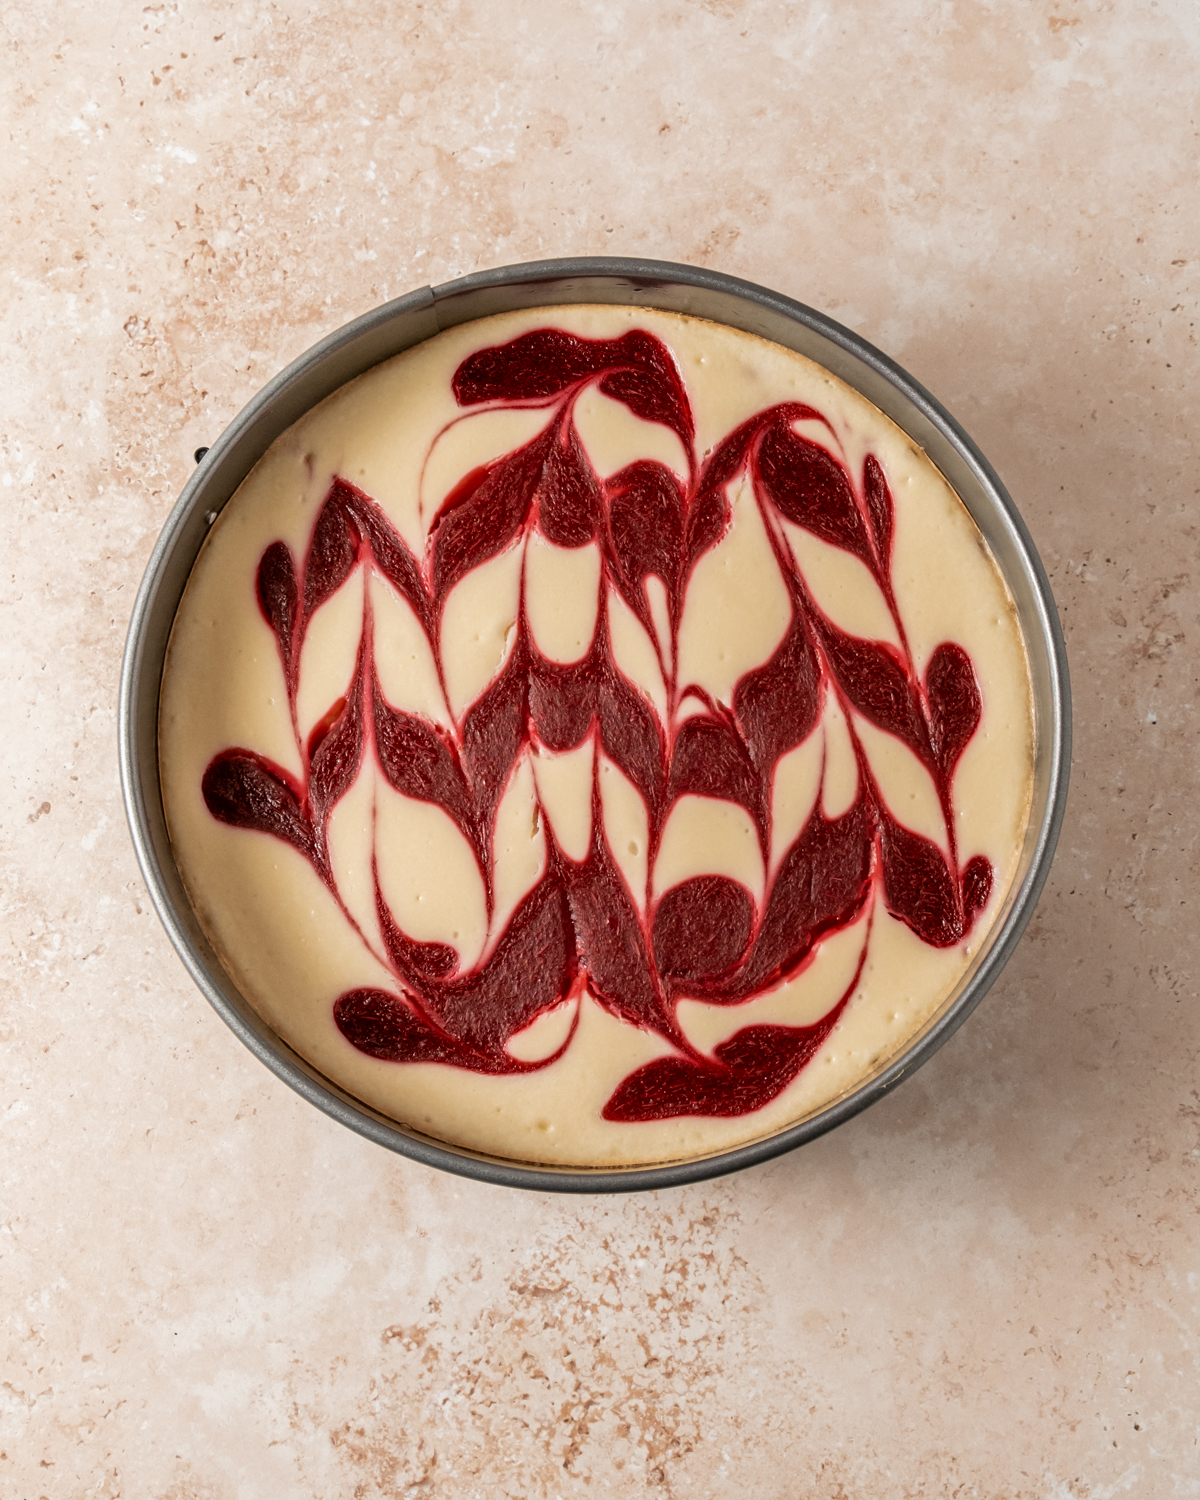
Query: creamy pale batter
{"points": [[596, 737]]}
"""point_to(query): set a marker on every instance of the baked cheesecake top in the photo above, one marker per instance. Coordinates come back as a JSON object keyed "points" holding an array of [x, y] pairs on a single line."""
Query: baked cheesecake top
{"points": [[596, 736]]}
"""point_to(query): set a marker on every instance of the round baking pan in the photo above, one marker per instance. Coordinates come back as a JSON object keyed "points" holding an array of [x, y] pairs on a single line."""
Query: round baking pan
{"points": [[409, 320]]}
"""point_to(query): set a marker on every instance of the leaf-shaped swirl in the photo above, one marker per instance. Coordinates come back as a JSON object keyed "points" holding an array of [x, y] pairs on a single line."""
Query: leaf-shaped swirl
{"points": [[416, 963], [918, 886], [645, 526], [393, 558], [703, 527], [807, 485], [733, 451], [776, 705], [533, 367], [637, 369], [418, 762], [493, 733], [977, 882], [822, 884], [333, 551], [384, 1026], [611, 943], [650, 386], [753, 1067], [569, 503], [873, 678], [880, 508], [632, 737], [338, 754], [484, 511], [532, 969], [562, 700], [701, 928], [710, 760], [955, 705], [279, 598], [246, 790]]}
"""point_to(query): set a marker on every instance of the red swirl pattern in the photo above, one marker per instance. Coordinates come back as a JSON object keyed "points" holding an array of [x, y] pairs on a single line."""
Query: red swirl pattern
{"points": [[709, 937]]}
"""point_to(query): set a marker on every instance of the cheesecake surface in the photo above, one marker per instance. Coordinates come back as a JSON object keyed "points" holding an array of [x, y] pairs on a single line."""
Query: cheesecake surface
{"points": [[596, 737]]}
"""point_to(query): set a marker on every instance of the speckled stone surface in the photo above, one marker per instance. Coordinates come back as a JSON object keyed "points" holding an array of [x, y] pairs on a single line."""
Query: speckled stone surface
{"points": [[988, 1285]]}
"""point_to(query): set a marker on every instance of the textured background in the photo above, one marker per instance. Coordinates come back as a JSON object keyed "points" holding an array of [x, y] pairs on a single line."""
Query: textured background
{"points": [[989, 1285]]}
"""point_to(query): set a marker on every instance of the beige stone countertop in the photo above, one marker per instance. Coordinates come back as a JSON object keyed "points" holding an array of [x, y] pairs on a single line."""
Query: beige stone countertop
{"points": [[986, 1286]]}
